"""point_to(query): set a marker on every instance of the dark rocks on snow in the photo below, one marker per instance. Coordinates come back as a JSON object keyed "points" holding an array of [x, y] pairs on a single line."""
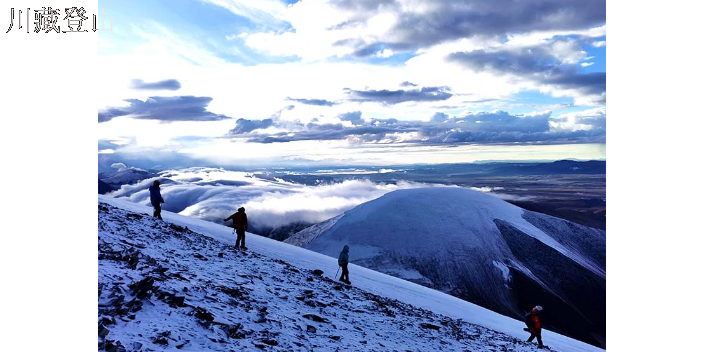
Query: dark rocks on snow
{"points": [[173, 300], [311, 329], [317, 272], [143, 288], [429, 326], [336, 338], [204, 315], [235, 331], [270, 342], [316, 318], [197, 255], [102, 330], [161, 341], [114, 346]]}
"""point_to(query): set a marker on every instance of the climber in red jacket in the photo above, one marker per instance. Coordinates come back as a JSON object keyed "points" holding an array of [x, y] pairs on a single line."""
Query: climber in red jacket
{"points": [[532, 320], [239, 222]]}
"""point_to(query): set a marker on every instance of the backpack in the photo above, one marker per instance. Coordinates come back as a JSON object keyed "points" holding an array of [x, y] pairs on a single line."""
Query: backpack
{"points": [[529, 320]]}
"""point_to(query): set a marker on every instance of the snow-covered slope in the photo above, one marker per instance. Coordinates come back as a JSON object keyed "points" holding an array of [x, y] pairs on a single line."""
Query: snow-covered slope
{"points": [[479, 248], [268, 297]]}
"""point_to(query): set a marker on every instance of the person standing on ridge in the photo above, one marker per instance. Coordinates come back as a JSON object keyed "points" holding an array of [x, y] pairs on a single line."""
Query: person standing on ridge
{"points": [[239, 222], [156, 199], [342, 261], [532, 320]]}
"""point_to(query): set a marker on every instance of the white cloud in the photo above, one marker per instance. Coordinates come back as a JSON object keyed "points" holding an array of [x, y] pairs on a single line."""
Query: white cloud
{"points": [[119, 166], [242, 35], [567, 51], [213, 194], [268, 12], [579, 121], [316, 37]]}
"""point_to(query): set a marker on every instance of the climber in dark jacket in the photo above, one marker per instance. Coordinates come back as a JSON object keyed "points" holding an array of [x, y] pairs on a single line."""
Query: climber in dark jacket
{"points": [[534, 327], [239, 222], [342, 261], [156, 199]]}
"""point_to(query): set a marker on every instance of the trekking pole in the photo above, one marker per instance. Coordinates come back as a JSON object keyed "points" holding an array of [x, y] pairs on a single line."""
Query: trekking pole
{"points": [[338, 270]]}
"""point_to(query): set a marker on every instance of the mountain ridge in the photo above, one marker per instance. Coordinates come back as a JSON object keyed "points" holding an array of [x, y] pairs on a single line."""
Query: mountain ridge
{"points": [[375, 283]]}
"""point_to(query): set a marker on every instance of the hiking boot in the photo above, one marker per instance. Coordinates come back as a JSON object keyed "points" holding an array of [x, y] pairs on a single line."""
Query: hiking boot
{"points": [[245, 248], [237, 247]]}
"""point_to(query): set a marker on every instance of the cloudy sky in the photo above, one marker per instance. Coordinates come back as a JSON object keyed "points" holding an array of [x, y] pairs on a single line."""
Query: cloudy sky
{"points": [[250, 83]]}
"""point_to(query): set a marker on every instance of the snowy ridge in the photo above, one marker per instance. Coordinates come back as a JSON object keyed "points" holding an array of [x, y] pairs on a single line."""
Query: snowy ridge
{"points": [[312, 232], [474, 202], [217, 282]]}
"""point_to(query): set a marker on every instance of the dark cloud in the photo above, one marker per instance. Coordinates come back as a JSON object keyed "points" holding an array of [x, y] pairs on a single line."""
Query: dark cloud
{"points": [[408, 84], [454, 19], [167, 109], [318, 102], [392, 97], [502, 121], [244, 126], [536, 63], [481, 127], [369, 50], [328, 132], [109, 114], [168, 84], [590, 83], [526, 61], [355, 117]]}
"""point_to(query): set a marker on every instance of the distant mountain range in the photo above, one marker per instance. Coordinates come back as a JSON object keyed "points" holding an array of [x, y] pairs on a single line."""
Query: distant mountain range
{"points": [[111, 181]]}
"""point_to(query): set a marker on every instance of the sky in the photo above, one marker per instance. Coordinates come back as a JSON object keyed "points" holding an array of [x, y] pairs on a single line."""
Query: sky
{"points": [[262, 83]]}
